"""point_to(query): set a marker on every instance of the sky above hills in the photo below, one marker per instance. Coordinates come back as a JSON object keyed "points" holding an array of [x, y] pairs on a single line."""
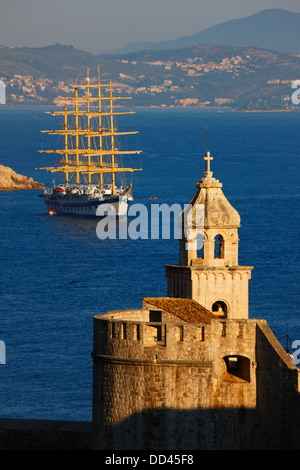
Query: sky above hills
{"points": [[99, 26]]}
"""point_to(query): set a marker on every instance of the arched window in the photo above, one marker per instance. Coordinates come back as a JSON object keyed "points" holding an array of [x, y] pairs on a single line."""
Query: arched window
{"points": [[219, 247], [220, 308]]}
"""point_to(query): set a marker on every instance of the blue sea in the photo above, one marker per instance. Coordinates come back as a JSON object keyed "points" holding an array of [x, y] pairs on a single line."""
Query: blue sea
{"points": [[56, 274]]}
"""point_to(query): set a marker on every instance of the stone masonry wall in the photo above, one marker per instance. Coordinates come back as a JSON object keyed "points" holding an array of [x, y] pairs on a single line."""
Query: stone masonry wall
{"points": [[178, 393], [185, 391], [278, 398], [172, 394]]}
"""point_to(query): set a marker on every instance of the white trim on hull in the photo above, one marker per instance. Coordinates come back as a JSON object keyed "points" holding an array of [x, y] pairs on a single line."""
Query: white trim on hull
{"points": [[118, 205]]}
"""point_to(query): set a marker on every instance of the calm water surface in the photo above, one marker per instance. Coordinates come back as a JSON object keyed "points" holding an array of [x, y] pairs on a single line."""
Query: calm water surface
{"points": [[56, 274]]}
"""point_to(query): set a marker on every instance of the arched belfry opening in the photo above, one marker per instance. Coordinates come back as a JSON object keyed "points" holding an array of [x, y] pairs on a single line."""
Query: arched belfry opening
{"points": [[220, 308], [219, 247]]}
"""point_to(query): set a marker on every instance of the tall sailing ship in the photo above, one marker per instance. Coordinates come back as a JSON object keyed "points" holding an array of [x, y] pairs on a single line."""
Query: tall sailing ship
{"points": [[90, 159]]}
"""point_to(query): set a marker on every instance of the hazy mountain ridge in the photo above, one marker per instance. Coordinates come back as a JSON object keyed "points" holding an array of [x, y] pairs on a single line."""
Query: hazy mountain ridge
{"points": [[276, 29]]}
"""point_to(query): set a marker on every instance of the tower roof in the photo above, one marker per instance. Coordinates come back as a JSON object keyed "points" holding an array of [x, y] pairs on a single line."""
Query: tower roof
{"points": [[218, 212], [187, 310]]}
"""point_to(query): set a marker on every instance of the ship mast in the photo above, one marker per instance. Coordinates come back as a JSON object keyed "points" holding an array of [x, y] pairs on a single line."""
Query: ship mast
{"points": [[112, 140], [100, 126], [87, 160], [88, 122], [66, 144]]}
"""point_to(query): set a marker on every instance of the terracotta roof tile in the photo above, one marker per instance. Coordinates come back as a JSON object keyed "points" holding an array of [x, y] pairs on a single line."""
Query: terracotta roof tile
{"points": [[187, 310]]}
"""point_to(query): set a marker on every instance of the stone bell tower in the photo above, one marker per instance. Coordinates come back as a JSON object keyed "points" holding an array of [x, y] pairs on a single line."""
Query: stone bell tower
{"points": [[208, 269]]}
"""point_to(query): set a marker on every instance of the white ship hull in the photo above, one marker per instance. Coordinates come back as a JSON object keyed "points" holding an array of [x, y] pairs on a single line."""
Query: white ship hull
{"points": [[118, 207], [60, 203]]}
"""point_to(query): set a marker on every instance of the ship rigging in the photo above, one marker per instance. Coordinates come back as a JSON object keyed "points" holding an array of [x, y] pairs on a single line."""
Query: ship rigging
{"points": [[90, 158]]}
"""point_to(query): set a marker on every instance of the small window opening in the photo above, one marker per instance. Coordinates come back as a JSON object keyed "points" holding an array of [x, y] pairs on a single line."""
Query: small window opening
{"points": [[155, 316], [138, 332], [237, 367], [202, 333], [124, 331], [159, 333], [180, 333]]}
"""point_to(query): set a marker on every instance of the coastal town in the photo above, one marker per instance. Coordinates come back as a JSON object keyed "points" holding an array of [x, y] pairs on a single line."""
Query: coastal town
{"points": [[189, 82], [24, 89]]}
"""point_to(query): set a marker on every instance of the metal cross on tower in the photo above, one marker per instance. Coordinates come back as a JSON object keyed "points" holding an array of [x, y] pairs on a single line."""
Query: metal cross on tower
{"points": [[207, 157]]}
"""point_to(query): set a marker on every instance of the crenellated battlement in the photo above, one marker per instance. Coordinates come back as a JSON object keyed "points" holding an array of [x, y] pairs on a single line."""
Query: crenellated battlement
{"points": [[129, 335]]}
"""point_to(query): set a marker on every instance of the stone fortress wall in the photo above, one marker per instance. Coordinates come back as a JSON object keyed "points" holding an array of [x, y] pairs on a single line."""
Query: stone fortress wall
{"points": [[172, 385]]}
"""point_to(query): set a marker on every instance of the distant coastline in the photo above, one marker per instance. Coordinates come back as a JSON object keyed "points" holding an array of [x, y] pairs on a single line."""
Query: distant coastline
{"points": [[162, 107]]}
